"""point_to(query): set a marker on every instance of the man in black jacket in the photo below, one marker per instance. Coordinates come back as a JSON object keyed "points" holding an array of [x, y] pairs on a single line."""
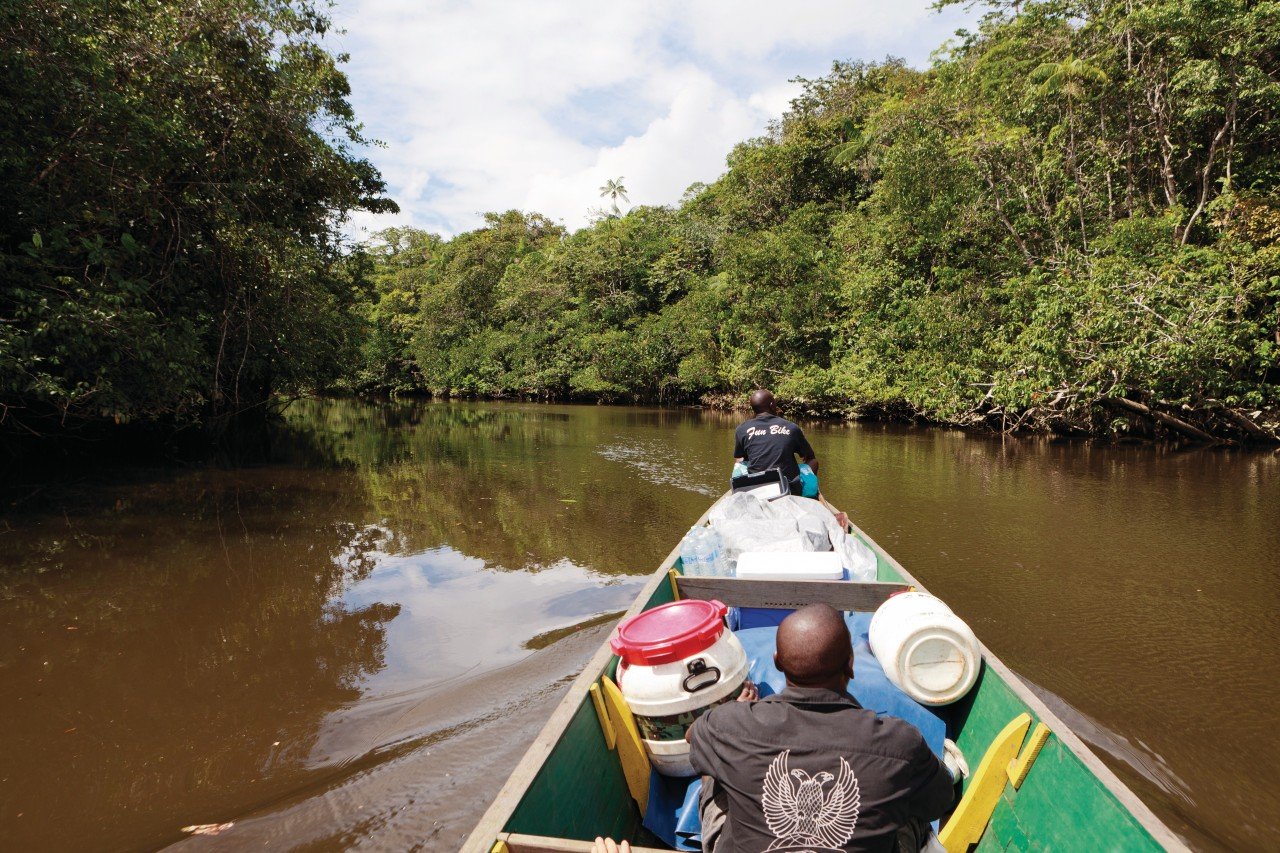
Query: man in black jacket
{"points": [[769, 441], [809, 768]]}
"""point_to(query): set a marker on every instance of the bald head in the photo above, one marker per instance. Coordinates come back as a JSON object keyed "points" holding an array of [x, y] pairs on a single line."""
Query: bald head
{"points": [[814, 648], [762, 401]]}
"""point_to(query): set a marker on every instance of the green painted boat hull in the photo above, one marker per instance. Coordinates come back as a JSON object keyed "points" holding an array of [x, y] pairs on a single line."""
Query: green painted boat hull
{"points": [[571, 785]]}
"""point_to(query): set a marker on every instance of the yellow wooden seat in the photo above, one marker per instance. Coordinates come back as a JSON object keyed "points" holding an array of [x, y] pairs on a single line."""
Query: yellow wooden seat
{"points": [[1001, 764]]}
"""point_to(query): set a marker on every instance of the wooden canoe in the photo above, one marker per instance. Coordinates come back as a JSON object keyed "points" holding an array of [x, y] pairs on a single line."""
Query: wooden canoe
{"points": [[571, 785]]}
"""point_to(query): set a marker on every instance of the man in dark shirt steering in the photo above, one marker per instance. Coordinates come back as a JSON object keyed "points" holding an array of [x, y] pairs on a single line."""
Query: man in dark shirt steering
{"points": [[809, 768], [769, 441]]}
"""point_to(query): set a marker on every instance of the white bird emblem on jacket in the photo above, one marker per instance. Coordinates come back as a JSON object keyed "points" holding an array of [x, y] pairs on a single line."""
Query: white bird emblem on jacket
{"points": [[803, 813]]}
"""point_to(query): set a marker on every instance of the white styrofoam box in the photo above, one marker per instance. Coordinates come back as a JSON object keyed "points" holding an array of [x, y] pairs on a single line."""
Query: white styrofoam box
{"points": [[790, 565], [766, 492]]}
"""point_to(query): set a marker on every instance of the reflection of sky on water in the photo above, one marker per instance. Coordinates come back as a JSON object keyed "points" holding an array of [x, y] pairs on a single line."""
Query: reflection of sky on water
{"points": [[460, 619]]}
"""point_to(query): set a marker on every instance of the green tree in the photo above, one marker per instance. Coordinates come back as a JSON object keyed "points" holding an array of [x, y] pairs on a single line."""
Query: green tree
{"points": [[614, 190], [176, 178], [1070, 222]]}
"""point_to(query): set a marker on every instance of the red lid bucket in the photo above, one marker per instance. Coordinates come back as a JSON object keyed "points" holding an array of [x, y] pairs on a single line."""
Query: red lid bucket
{"points": [[669, 632]]}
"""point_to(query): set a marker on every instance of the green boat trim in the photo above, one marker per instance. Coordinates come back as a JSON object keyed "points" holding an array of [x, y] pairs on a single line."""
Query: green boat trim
{"points": [[569, 787]]}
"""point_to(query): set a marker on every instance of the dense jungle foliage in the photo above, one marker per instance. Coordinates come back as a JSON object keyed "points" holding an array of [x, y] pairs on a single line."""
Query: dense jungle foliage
{"points": [[1069, 222], [174, 176]]}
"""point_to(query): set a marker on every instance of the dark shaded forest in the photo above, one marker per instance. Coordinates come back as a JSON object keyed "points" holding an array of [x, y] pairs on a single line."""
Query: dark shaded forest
{"points": [[1069, 223], [175, 177]]}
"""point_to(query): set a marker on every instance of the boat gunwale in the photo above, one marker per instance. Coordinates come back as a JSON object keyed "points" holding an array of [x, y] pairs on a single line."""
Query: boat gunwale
{"points": [[495, 817], [491, 824], [1122, 792]]}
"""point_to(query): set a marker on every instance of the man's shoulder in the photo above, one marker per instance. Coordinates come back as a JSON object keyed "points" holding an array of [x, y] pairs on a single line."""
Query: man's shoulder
{"points": [[897, 728], [875, 734], [729, 714], [883, 734], [734, 719]]}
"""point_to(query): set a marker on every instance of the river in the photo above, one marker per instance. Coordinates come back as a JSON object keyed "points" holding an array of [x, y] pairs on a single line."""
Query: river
{"points": [[352, 645]]}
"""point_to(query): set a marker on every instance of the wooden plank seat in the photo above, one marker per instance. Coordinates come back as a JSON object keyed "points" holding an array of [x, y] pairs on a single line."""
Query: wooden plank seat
{"points": [[788, 594]]}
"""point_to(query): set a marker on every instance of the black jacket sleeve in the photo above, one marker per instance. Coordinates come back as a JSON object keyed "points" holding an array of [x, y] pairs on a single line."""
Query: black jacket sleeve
{"points": [[932, 788]]}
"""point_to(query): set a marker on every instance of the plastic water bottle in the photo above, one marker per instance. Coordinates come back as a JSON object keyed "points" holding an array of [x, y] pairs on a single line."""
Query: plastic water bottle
{"points": [[691, 552], [706, 553], [717, 563]]}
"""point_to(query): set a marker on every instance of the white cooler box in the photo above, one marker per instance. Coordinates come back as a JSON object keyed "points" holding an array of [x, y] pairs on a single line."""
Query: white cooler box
{"points": [[790, 565], [782, 566]]}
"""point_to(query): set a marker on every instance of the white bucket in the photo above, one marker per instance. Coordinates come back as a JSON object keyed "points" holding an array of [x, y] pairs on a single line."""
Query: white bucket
{"points": [[924, 648], [668, 697]]}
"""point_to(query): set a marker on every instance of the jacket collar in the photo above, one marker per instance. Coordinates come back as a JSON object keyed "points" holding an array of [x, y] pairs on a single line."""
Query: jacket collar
{"points": [[812, 696]]}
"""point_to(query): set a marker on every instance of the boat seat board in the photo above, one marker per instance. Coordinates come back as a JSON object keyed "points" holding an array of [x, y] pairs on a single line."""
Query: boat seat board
{"points": [[627, 743], [788, 595]]}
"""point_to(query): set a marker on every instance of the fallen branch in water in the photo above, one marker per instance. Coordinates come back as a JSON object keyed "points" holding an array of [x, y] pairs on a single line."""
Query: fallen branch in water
{"points": [[1164, 419], [1249, 425]]}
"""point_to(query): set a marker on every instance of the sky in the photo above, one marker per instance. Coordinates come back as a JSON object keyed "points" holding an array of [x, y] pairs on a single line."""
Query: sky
{"points": [[488, 106]]}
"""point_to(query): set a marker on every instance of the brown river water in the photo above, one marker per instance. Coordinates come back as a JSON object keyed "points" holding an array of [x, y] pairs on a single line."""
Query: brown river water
{"points": [[352, 646]]}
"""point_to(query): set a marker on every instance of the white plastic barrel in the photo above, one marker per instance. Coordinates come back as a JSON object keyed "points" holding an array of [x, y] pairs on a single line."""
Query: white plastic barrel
{"points": [[699, 664], [925, 648]]}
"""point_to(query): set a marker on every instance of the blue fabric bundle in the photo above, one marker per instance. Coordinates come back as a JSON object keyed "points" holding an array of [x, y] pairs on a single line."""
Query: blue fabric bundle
{"points": [[673, 803]]}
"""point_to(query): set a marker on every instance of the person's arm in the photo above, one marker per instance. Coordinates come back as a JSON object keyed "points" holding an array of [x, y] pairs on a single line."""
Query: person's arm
{"points": [[739, 448], [750, 693], [703, 736], [805, 451], [932, 788]]}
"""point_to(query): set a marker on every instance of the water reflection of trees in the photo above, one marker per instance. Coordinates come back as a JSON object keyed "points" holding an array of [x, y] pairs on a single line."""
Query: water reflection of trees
{"points": [[169, 651], [518, 486]]}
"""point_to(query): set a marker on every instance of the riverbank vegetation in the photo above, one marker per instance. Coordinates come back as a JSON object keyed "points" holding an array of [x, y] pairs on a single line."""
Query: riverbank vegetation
{"points": [[1068, 223], [175, 177]]}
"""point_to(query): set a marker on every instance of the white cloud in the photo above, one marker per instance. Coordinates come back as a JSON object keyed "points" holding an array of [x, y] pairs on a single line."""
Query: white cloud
{"points": [[685, 145], [492, 105]]}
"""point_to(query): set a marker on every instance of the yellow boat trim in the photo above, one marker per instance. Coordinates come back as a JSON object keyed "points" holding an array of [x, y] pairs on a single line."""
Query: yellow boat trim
{"points": [[635, 761], [983, 794], [610, 739], [1019, 769]]}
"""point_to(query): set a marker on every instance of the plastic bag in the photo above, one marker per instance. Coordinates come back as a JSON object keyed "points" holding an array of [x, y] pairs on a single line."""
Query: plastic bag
{"points": [[740, 505], [762, 534], [858, 560], [808, 481], [812, 519], [788, 523]]}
